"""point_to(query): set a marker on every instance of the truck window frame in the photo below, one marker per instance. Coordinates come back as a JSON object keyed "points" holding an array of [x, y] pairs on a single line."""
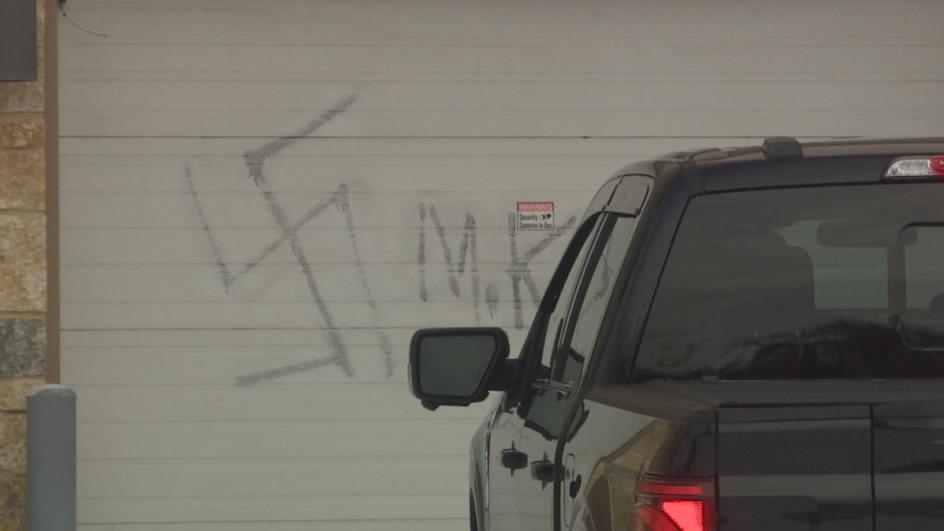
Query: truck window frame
{"points": [[634, 310]]}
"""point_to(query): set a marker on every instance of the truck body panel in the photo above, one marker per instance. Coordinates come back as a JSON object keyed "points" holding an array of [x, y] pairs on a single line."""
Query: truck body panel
{"points": [[772, 356]]}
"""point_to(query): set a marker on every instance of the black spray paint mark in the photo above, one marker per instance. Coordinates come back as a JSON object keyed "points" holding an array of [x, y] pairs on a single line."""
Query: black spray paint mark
{"points": [[255, 161], [337, 198], [421, 255], [385, 345], [217, 253], [330, 332], [455, 270], [519, 268], [255, 158], [226, 275], [280, 372], [491, 299]]}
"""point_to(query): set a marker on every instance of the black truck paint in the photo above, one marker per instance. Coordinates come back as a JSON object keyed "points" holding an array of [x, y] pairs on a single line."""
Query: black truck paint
{"points": [[579, 444]]}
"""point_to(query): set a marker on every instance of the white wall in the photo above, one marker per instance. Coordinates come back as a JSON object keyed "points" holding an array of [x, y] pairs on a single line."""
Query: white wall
{"points": [[184, 286]]}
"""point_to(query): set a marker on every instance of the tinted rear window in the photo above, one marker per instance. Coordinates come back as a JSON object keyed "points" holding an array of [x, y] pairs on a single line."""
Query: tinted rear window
{"points": [[802, 283]]}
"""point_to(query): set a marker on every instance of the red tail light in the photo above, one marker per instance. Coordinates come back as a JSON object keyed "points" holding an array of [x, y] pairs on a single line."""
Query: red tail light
{"points": [[674, 504], [937, 165]]}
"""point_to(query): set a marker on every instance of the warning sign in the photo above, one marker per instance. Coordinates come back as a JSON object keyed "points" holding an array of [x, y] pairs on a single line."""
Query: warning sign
{"points": [[535, 215]]}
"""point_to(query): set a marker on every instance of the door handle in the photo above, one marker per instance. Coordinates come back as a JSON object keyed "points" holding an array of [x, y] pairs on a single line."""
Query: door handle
{"points": [[574, 488], [543, 471], [513, 459]]}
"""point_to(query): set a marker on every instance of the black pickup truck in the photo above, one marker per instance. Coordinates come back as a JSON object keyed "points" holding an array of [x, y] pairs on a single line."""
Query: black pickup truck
{"points": [[734, 340]]}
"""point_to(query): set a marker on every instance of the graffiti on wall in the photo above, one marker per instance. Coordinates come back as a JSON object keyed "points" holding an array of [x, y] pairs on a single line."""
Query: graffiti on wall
{"points": [[518, 268], [461, 263]]}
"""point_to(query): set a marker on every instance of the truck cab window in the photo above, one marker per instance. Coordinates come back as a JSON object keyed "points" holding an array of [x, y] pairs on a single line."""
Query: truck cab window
{"points": [[801, 283], [577, 332], [597, 293], [541, 407], [924, 254]]}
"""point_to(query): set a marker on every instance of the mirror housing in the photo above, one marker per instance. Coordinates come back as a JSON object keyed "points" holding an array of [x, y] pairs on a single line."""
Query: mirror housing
{"points": [[457, 366]]}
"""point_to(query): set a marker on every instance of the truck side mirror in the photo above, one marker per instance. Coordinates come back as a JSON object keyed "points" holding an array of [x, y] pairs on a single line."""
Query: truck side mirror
{"points": [[454, 366]]}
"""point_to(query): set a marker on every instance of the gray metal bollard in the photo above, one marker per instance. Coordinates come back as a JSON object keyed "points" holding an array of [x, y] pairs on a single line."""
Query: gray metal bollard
{"points": [[50, 458]]}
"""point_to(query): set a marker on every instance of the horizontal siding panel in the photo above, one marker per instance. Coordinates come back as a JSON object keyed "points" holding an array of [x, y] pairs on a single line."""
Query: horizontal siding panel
{"points": [[334, 476], [102, 176], [328, 513], [275, 315], [573, 56], [166, 442], [226, 365], [248, 210], [375, 245], [357, 151], [577, 123], [216, 403], [522, 22], [648, 95], [284, 281], [225, 339]]}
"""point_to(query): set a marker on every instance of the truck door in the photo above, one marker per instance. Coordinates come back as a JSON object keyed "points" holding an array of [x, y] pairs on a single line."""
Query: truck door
{"points": [[526, 437], [549, 402], [600, 426], [523, 434]]}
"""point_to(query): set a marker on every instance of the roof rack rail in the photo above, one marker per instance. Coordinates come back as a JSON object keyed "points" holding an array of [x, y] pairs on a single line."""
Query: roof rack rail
{"points": [[782, 147]]}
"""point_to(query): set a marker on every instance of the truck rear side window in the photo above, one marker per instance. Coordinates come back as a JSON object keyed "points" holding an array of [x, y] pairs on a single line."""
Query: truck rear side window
{"points": [[843, 282]]}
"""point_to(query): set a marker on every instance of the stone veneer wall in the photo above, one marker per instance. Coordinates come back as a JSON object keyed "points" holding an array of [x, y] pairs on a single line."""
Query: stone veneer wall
{"points": [[23, 349]]}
